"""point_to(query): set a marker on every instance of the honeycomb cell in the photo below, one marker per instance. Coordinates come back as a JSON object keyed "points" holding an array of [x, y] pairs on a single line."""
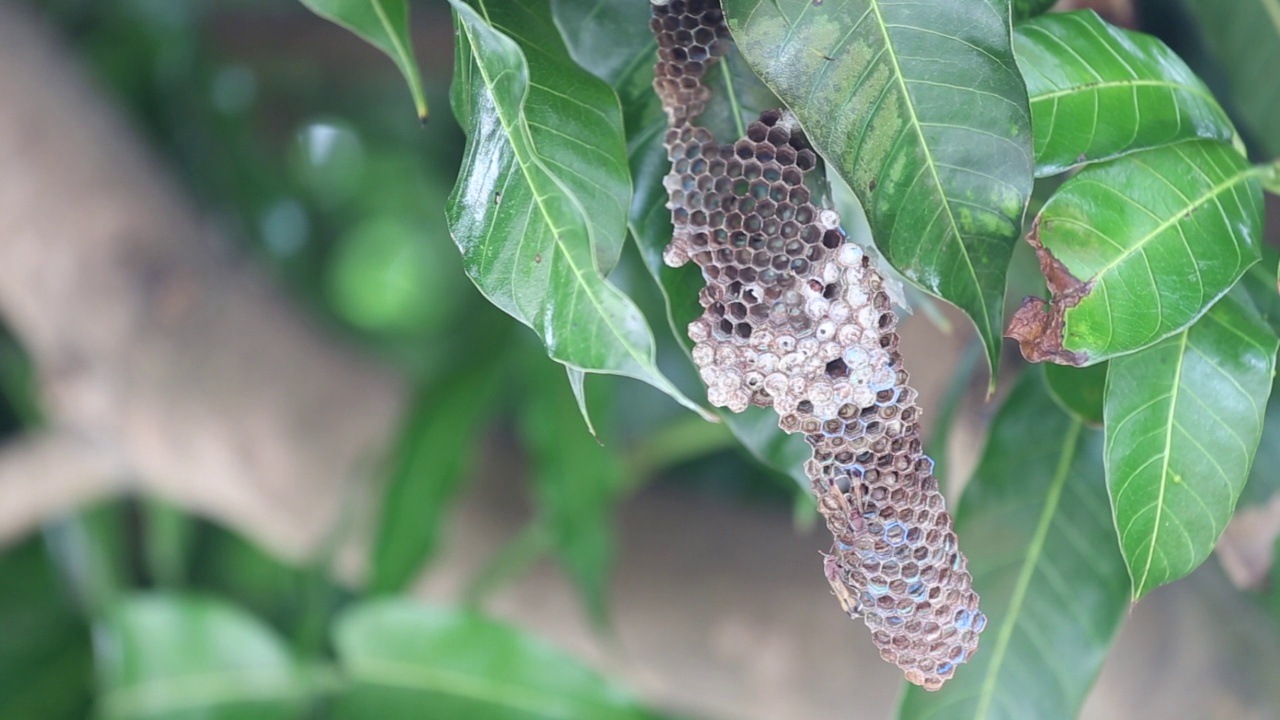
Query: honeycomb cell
{"points": [[797, 319]]}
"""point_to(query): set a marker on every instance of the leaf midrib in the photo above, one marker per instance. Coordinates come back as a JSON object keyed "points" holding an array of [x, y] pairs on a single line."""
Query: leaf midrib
{"points": [[1111, 84], [1140, 585], [954, 234], [1174, 218], [525, 163], [1034, 552], [407, 61]]}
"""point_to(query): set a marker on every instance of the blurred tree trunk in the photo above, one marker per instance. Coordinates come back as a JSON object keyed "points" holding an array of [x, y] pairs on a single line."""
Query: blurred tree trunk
{"points": [[166, 363]]}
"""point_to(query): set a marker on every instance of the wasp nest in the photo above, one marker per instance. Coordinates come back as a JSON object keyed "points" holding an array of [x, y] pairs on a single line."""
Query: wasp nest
{"points": [[798, 319]]}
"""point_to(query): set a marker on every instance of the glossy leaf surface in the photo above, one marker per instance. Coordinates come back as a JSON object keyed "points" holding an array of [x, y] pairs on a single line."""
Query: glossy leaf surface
{"points": [[920, 108], [401, 658], [540, 208], [1035, 526], [1141, 246], [1183, 421], [603, 36], [1098, 91]]}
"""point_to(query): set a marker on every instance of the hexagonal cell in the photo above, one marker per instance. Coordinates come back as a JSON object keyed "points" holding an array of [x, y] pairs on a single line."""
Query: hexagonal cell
{"points": [[769, 269]]}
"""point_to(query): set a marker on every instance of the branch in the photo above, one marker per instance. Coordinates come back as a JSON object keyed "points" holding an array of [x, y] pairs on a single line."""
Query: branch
{"points": [[151, 336], [49, 474]]}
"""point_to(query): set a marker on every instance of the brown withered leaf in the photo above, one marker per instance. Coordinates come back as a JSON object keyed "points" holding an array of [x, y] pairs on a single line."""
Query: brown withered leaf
{"points": [[1038, 325]]}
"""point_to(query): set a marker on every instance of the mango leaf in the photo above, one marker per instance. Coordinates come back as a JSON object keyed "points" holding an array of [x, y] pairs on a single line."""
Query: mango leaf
{"points": [[1079, 391], [576, 485], [1136, 249], [1264, 476], [428, 467], [920, 108], [611, 38], [174, 656], [1034, 524], [46, 661], [1098, 92], [290, 598], [1023, 9], [401, 658], [385, 25], [1244, 36], [540, 207], [1183, 419], [1259, 284]]}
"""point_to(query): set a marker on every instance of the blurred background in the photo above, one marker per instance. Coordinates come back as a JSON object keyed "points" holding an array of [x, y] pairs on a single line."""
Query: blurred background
{"points": [[252, 412]]}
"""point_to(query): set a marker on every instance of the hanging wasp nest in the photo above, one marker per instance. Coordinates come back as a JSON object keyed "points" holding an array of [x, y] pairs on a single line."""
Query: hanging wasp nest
{"points": [[798, 319]]}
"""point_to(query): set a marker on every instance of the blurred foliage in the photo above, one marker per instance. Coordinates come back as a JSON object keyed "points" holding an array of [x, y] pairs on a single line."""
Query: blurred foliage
{"points": [[299, 142], [300, 145], [46, 663]]}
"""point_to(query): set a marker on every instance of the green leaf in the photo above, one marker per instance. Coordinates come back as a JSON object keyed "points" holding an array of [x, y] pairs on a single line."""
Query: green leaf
{"points": [[1264, 475], [1183, 419], [401, 658], [540, 208], [603, 37], [385, 25], [166, 542], [1038, 536], [188, 657], [1271, 178], [1259, 284], [920, 108], [227, 565], [435, 451], [1023, 9], [46, 662], [576, 484], [1098, 92], [90, 547], [1079, 391], [19, 387], [1137, 248], [1245, 37]]}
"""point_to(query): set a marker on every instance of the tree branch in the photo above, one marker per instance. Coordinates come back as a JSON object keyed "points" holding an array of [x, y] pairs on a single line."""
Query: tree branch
{"points": [[150, 336]]}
